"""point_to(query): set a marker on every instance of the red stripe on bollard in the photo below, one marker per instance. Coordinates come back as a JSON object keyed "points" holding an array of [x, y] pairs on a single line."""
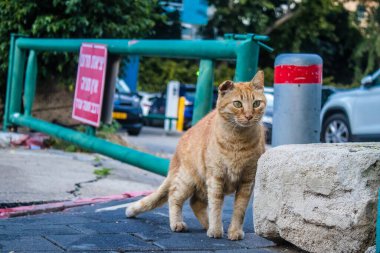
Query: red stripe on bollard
{"points": [[291, 74]]}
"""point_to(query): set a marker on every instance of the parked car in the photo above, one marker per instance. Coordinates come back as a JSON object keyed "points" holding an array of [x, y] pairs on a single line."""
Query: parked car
{"points": [[126, 108], [353, 115], [188, 91], [327, 91], [268, 116], [147, 99], [157, 109], [158, 106]]}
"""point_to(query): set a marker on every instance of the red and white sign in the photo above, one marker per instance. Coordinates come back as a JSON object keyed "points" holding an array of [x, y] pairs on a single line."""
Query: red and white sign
{"points": [[89, 86]]}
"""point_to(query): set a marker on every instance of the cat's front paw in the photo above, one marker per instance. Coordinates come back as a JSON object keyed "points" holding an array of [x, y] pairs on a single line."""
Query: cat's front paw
{"points": [[235, 234], [215, 232], [132, 209], [178, 226]]}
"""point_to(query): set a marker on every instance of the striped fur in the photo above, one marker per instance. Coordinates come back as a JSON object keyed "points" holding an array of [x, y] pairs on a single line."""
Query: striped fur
{"points": [[217, 156]]}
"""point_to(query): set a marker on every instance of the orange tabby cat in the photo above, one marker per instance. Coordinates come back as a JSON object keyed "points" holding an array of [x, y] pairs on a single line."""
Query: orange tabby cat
{"points": [[217, 156]]}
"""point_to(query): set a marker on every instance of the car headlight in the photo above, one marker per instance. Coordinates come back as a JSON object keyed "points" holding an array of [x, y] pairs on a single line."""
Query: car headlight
{"points": [[136, 100]]}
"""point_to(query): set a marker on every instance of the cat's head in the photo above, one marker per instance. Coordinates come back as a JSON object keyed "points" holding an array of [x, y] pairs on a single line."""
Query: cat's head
{"points": [[242, 104]]}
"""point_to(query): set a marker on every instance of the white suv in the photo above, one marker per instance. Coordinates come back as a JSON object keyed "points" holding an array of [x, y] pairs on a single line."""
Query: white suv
{"points": [[353, 115]]}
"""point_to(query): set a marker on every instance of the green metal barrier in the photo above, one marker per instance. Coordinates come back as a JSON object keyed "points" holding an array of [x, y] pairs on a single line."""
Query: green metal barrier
{"points": [[242, 48]]}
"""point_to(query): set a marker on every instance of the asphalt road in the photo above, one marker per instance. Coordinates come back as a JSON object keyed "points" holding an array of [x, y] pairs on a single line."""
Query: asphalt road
{"points": [[92, 229], [154, 140]]}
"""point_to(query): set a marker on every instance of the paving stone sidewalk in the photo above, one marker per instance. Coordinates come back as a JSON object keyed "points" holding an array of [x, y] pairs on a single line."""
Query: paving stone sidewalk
{"points": [[81, 229]]}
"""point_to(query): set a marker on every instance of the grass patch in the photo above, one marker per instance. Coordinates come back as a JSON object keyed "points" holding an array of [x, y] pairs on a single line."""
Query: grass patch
{"points": [[103, 172]]}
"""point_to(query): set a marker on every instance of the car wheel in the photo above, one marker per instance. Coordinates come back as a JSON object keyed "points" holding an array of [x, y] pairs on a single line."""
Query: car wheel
{"points": [[134, 131], [336, 129]]}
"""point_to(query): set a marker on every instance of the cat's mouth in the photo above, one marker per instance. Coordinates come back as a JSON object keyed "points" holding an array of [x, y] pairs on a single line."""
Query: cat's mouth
{"points": [[244, 123], [247, 123]]}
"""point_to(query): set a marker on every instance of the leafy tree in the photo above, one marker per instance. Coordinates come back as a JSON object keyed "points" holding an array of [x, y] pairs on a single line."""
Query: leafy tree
{"points": [[367, 54], [313, 26], [167, 23], [70, 19], [244, 16], [155, 73], [323, 27]]}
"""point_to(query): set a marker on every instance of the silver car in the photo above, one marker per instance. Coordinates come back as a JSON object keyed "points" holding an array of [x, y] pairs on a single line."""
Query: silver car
{"points": [[353, 115]]}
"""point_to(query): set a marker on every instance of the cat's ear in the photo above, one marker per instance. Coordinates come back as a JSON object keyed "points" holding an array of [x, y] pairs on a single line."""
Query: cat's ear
{"points": [[225, 87], [258, 80]]}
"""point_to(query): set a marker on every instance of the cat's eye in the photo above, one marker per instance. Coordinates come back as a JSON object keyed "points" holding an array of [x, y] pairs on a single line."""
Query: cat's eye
{"points": [[237, 104], [256, 103]]}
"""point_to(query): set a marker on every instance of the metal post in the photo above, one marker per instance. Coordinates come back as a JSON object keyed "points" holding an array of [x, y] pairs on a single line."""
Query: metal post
{"points": [[9, 82], [30, 82], [181, 114], [247, 60], [204, 90], [297, 99], [90, 130], [112, 71], [17, 81]]}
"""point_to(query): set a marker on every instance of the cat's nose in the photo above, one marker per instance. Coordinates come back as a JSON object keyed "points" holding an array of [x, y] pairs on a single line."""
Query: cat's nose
{"points": [[249, 116]]}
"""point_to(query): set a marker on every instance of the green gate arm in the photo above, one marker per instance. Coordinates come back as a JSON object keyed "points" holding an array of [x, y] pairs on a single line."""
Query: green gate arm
{"points": [[139, 159], [209, 49]]}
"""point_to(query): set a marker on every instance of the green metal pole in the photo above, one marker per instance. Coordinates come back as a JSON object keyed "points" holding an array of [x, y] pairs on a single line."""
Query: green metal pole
{"points": [[247, 61], [17, 81], [139, 159], [30, 82], [204, 90], [9, 83], [90, 130]]}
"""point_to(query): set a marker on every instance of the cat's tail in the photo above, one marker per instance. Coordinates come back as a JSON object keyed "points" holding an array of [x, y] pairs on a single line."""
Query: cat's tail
{"points": [[151, 201]]}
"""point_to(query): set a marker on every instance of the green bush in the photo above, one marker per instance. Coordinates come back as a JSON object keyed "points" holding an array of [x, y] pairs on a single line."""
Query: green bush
{"points": [[70, 19]]}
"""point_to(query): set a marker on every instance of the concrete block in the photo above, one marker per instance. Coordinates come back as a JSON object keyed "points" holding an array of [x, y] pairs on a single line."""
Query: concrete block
{"points": [[319, 197]]}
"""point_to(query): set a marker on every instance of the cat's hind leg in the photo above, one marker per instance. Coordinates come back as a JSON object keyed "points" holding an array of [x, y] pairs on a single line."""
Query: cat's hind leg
{"points": [[179, 192], [199, 205]]}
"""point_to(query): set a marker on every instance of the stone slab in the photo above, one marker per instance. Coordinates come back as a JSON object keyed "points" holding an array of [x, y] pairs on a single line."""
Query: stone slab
{"points": [[320, 197]]}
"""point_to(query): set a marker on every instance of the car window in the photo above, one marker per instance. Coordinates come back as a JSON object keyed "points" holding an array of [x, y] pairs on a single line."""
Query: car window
{"points": [[121, 86]]}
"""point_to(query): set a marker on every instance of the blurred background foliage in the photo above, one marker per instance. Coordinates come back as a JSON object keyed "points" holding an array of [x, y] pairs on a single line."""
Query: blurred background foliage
{"points": [[348, 41], [70, 19]]}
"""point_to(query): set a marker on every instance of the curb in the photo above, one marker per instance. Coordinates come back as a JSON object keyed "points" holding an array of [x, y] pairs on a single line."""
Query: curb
{"points": [[60, 206]]}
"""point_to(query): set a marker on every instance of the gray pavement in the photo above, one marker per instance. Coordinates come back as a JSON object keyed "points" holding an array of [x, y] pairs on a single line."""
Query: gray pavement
{"points": [[82, 229], [33, 176]]}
